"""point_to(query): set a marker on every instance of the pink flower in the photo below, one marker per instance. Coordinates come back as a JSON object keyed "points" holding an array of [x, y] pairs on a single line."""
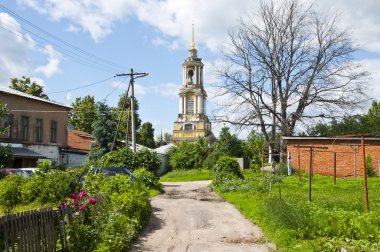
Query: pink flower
{"points": [[73, 196], [74, 203], [76, 213], [92, 201], [83, 193], [82, 207], [62, 205]]}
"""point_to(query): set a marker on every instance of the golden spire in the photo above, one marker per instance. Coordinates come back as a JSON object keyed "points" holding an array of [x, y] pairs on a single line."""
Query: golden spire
{"points": [[192, 40]]}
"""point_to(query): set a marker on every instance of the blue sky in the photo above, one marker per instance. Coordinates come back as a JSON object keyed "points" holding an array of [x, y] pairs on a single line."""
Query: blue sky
{"points": [[150, 36]]}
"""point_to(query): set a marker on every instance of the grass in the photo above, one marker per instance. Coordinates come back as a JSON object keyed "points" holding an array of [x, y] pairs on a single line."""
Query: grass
{"points": [[334, 219], [187, 175], [29, 207]]}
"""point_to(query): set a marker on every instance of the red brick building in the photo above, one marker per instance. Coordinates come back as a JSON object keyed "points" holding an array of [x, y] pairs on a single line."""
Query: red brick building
{"points": [[349, 159]]}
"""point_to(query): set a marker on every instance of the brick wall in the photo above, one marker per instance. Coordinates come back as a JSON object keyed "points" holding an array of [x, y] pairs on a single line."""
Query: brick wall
{"points": [[323, 160]]}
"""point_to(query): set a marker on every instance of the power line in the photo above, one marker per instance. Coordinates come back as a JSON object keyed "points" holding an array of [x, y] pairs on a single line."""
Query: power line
{"points": [[39, 44], [88, 55], [116, 86], [84, 86]]}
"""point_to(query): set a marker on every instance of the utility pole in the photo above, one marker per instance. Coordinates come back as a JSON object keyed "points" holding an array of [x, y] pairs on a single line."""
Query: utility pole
{"points": [[133, 76]]}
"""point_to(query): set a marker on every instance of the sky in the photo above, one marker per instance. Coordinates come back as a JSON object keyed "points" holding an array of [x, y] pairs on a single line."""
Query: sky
{"points": [[76, 47]]}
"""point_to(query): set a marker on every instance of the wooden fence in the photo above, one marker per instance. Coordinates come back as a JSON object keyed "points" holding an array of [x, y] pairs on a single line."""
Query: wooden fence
{"points": [[34, 231]]}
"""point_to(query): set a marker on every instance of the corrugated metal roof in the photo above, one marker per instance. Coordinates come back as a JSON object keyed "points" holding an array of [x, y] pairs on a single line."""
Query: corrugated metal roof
{"points": [[330, 138], [18, 93], [24, 152], [164, 149]]}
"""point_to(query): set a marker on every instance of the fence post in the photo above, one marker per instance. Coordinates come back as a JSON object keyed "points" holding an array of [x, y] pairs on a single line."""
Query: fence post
{"points": [[310, 172], [334, 168]]}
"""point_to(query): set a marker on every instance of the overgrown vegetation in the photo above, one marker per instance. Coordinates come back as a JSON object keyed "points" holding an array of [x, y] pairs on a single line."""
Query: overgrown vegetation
{"points": [[334, 220]]}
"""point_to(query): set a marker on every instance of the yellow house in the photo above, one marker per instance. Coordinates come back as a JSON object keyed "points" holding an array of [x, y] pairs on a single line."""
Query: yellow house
{"points": [[192, 121]]}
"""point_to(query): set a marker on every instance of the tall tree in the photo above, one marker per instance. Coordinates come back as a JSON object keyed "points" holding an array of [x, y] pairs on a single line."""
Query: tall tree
{"points": [[285, 65], [228, 144], [146, 135], [25, 85], [126, 118], [83, 113], [103, 130]]}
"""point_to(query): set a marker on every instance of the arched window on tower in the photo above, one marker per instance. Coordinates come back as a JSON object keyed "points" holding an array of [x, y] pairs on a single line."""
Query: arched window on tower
{"points": [[190, 105], [190, 76], [188, 126]]}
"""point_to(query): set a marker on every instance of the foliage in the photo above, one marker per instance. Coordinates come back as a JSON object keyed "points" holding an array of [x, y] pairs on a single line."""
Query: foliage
{"points": [[187, 175], [3, 113], [126, 117], [182, 156], [228, 144], [368, 165], [334, 221], [103, 130], [122, 157], [83, 113], [51, 187], [125, 157], [6, 155], [121, 211], [148, 178], [252, 147], [226, 168], [146, 135], [25, 85], [10, 191], [147, 159], [353, 124]]}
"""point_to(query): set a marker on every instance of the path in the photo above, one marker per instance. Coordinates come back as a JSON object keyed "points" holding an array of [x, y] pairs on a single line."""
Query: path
{"points": [[190, 217]]}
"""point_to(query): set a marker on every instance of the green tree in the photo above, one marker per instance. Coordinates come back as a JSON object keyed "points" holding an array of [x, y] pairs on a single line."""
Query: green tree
{"points": [[126, 118], [183, 156], [146, 135], [103, 130], [202, 150], [252, 147], [229, 144], [3, 113], [6, 152], [25, 85], [83, 113]]}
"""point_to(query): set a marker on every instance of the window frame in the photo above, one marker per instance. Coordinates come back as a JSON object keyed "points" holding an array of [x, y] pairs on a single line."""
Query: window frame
{"points": [[39, 130], [25, 128], [53, 131]]}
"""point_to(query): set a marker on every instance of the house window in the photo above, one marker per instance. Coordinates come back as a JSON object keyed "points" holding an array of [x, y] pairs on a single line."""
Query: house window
{"points": [[8, 125], [188, 126], [190, 105], [39, 130], [24, 128], [53, 132]]}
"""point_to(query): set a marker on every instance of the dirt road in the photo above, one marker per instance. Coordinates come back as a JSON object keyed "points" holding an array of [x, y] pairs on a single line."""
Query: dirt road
{"points": [[190, 217]]}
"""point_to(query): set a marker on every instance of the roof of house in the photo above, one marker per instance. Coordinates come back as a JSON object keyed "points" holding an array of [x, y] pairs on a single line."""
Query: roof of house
{"points": [[22, 94], [79, 140], [26, 153], [164, 149]]}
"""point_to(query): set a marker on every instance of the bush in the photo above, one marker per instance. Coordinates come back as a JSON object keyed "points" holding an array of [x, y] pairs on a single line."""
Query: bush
{"points": [[147, 178], [123, 157], [10, 191], [52, 187], [226, 168], [183, 156], [147, 159]]}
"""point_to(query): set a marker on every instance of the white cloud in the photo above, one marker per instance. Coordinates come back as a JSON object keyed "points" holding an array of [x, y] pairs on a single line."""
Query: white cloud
{"points": [[14, 61], [167, 90], [52, 67], [139, 89]]}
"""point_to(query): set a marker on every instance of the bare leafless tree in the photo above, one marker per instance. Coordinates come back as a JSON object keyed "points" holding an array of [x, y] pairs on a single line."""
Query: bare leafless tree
{"points": [[287, 64]]}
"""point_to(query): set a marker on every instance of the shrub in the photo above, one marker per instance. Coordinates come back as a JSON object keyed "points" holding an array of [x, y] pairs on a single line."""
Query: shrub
{"points": [[368, 165], [10, 191], [52, 187], [226, 168], [123, 157], [147, 178], [147, 159], [183, 156]]}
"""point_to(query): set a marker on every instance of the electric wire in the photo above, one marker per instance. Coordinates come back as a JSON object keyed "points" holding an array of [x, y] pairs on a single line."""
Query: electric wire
{"points": [[116, 86], [39, 44], [80, 87], [81, 51]]}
